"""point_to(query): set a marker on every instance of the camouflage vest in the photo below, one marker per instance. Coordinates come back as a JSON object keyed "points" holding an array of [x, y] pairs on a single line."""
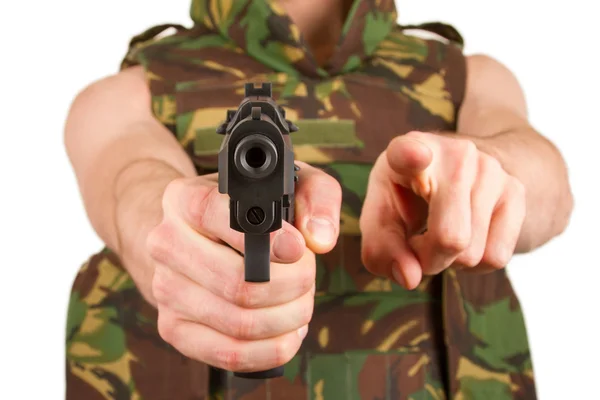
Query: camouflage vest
{"points": [[455, 333]]}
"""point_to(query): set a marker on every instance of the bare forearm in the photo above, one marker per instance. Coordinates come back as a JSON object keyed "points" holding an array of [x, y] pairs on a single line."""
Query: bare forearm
{"points": [[119, 167], [122, 193], [533, 160], [494, 116], [123, 160]]}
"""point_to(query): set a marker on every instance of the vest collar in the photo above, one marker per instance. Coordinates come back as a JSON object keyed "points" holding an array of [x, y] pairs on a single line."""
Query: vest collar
{"points": [[264, 31]]}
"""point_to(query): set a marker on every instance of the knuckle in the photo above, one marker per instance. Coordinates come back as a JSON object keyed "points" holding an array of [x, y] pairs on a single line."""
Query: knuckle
{"points": [[230, 359], [175, 186], [285, 349], [455, 241], [154, 243], [160, 242], [162, 286], [245, 294], [471, 257], [469, 148], [367, 257], [245, 325], [464, 148], [368, 264], [496, 258], [198, 204], [307, 277], [516, 187], [490, 164], [172, 191], [465, 153], [307, 311], [167, 328], [200, 257], [231, 289]]}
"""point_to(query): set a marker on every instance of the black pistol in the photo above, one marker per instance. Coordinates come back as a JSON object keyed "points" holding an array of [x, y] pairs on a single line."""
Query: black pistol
{"points": [[257, 171]]}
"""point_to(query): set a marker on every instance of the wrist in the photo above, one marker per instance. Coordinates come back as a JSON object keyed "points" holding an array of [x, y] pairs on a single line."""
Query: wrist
{"points": [[138, 192]]}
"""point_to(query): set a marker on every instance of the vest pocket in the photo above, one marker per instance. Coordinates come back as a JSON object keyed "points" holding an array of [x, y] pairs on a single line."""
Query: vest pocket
{"points": [[348, 376], [201, 106], [367, 375]]}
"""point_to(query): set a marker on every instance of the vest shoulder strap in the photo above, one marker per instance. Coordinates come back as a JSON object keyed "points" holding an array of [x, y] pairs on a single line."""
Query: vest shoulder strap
{"points": [[143, 39], [439, 28]]}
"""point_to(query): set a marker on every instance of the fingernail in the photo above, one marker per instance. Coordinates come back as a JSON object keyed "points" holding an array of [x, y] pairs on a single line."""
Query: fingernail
{"points": [[397, 274], [285, 245], [303, 331], [321, 230]]}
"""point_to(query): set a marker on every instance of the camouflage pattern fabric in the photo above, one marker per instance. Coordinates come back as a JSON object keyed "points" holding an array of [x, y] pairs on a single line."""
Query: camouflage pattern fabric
{"points": [[456, 336]]}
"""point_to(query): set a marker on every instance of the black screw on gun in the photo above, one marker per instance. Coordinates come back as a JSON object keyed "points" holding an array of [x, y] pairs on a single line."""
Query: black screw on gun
{"points": [[256, 215]]}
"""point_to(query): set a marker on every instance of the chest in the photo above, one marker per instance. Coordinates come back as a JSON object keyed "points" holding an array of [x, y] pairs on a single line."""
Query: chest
{"points": [[345, 122]]}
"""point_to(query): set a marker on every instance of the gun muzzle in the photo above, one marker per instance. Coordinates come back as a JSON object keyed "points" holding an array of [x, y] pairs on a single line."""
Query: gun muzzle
{"points": [[255, 156]]}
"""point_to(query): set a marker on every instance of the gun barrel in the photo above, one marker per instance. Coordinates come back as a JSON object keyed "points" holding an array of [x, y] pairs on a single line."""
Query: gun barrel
{"points": [[257, 171]]}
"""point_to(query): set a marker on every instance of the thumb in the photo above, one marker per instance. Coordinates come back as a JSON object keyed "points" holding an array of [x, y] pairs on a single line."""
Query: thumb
{"points": [[318, 206]]}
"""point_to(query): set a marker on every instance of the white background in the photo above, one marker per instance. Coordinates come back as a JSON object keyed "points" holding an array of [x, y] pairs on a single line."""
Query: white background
{"points": [[51, 49]]}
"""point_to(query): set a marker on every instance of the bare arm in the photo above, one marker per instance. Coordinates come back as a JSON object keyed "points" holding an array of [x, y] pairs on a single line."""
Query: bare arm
{"points": [[495, 188], [123, 159], [494, 116], [171, 230]]}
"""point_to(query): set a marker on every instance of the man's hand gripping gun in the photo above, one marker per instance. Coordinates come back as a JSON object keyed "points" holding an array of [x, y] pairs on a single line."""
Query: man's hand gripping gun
{"points": [[257, 171]]}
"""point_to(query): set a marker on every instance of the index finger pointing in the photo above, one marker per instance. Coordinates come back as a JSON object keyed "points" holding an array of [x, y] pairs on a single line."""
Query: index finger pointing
{"points": [[408, 155]]}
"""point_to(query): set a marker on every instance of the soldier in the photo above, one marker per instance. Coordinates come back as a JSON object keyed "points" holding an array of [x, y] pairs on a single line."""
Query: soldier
{"points": [[420, 178]]}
